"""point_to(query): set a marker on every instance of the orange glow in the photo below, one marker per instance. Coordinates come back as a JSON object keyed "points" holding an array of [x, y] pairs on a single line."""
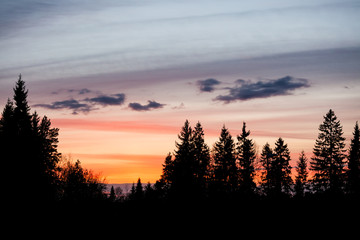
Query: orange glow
{"points": [[124, 168]]}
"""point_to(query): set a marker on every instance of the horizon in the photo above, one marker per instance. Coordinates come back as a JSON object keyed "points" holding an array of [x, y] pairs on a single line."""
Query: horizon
{"points": [[119, 79]]}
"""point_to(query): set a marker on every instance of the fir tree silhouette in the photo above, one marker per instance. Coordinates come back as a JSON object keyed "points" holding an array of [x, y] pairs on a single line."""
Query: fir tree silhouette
{"points": [[225, 170], [246, 156], [329, 156], [301, 177], [353, 173]]}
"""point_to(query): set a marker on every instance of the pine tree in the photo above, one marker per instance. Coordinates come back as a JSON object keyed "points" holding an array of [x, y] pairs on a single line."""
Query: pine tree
{"points": [[276, 178], [225, 169], [281, 168], [184, 165], [301, 177], [112, 194], [246, 156], [201, 157], [266, 160], [329, 156], [139, 192], [30, 148], [353, 173]]}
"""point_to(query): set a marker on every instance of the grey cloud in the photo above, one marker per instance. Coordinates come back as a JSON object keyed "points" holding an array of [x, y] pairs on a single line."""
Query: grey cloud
{"points": [[72, 104], [85, 105], [246, 90], [208, 84], [114, 99], [151, 105]]}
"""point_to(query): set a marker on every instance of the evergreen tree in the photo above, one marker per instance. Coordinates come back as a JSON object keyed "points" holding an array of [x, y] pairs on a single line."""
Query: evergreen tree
{"points": [[201, 157], [29, 148], [225, 169], [329, 158], [301, 177], [184, 165], [266, 160], [276, 179], [139, 192], [246, 156], [353, 173], [281, 169], [112, 194]]}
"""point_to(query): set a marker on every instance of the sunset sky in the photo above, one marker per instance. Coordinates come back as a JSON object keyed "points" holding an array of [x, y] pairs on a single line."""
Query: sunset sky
{"points": [[120, 77]]}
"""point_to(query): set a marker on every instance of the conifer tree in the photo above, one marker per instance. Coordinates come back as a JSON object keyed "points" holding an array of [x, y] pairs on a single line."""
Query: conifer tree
{"points": [[301, 177], [246, 156], [225, 169], [201, 157], [281, 168], [266, 160], [112, 194], [183, 176], [139, 192], [30, 148], [353, 173], [329, 156], [276, 179]]}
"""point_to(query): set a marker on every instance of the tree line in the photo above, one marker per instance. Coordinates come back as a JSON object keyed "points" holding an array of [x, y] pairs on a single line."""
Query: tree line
{"points": [[193, 172]]}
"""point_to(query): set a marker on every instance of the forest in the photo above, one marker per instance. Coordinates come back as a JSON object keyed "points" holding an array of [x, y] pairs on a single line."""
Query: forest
{"points": [[231, 172]]}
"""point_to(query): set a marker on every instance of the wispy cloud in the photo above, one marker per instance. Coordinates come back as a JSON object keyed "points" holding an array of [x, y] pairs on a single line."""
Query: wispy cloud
{"points": [[246, 90], [150, 106], [207, 85]]}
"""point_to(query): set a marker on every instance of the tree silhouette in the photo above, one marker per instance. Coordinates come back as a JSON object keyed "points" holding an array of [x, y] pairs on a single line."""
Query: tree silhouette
{"points": [[225, 170], [301, 177], [354, 163], [276, 179], [30, 148], [112, 194], [266, 160], [246, 153], [79, 185], [329, 155], [201, 159]]}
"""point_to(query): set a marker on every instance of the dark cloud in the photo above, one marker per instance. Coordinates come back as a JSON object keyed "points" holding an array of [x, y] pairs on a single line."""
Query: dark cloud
{"points": [[114, 99], [72, 104], [208, 84], [246, 90], [151, 105], [85, 105]]}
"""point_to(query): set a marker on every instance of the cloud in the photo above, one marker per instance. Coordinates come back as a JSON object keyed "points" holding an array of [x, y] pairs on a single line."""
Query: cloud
{"points": [[246, 90], [85, 105], [114, 99], [72, 104], [207, 85], [151, 105]]}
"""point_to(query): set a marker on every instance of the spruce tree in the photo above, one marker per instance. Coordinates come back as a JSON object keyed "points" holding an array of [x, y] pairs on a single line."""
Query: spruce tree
{"points": [[112, 194], [30, 148], [225, 169], [281, 169], [276, 179], [139, 191], [266, 160], [246, 154], [201, 157], [353, 173], [184, 165], [301, 177], [329, 156]]}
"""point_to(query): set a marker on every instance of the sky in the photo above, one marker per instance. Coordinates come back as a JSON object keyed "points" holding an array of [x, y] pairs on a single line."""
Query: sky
{"points": [[119, 78]]}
